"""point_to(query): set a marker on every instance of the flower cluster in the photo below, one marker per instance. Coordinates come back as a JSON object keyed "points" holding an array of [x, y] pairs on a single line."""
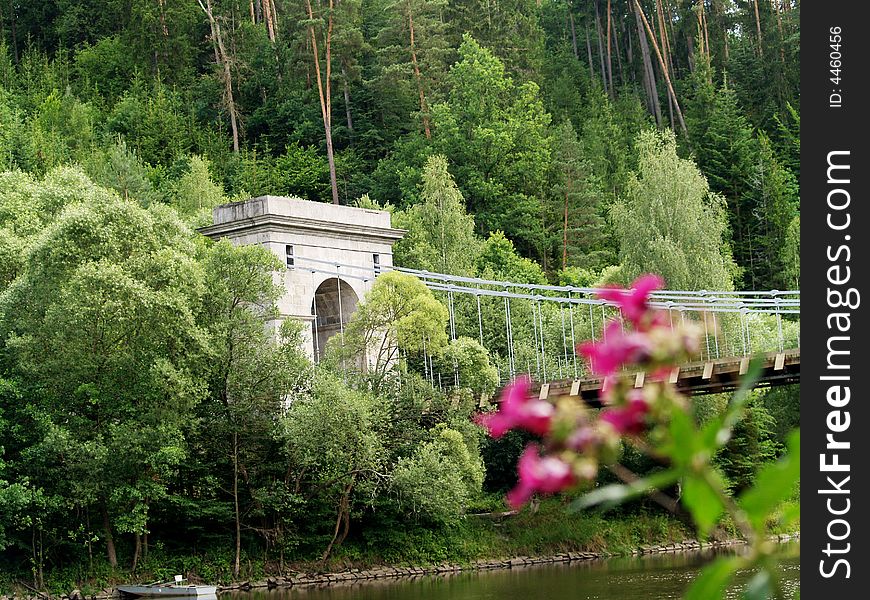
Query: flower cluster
{"points": [[576, 438]]}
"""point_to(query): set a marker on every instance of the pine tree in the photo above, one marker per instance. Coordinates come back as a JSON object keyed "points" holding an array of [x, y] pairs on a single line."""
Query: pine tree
{"points": [[576, 213]]}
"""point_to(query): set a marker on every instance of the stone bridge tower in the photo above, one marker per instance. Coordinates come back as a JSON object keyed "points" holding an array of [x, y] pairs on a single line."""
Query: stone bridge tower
{"points": [[332, 254]]}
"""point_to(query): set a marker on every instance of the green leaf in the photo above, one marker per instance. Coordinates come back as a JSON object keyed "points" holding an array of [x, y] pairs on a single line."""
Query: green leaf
{"points": [[713, 580], [774, 483], [760, 587], [703, 502], [734, 411], [611, 495], [683, 444]]}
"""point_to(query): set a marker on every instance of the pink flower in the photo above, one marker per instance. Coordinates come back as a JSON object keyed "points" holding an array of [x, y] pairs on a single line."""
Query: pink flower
{"points": [[518, 409], [616, 349], [582, 439], [634, 302], [546, 475], [630, 418]]}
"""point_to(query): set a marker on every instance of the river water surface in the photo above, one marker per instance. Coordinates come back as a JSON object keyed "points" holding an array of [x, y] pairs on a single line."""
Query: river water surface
{"points": [[650, 577]]}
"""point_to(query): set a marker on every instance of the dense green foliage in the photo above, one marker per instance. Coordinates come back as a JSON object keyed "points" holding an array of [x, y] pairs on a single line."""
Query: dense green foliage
{"points": [[147, 409], [534, 106]]}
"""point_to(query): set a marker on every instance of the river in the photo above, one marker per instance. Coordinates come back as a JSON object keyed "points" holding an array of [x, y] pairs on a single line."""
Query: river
{"points": [[650, 577]]}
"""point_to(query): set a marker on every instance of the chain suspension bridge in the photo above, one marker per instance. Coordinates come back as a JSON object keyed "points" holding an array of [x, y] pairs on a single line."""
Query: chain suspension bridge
{"points": [[533, 329]]}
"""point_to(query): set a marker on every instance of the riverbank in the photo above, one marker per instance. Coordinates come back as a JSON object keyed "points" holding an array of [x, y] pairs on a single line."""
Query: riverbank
{"points": [[479, 542], [356, 575]]}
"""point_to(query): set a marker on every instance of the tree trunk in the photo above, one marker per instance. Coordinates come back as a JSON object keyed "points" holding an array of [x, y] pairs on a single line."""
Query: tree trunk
{"points": [[663, 36], [649, 80], [163, 28], [663, 42], [757, 26], [238, 554], [618, 55], [589, 54], [777, 8], [663, 66], [609, 57], [267, 16], [221, 54], [325, 94], [110, 540], [565, 236], [137, 551], [574, 33], [342, 518], [347, 101], [706, 33], [690, 43], [600, 47], [424, 108]]}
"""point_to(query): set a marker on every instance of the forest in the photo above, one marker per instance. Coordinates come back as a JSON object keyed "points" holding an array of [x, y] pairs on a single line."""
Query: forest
{"points": [[147, 419]]}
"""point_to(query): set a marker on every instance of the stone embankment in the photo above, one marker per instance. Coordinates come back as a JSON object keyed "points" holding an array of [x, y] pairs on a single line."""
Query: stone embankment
{"points": [[351, 576]]}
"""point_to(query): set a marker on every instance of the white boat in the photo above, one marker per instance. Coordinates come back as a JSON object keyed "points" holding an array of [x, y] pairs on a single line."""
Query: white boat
{"points": [[168, 588]]}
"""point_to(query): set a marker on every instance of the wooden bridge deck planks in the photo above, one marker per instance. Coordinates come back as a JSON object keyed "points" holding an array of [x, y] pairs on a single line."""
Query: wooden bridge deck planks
{"points": [[703, 377]]}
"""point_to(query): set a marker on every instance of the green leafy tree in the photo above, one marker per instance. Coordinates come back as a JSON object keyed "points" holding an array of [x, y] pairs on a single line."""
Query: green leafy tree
{"points": [[101, 320], [119, 168], [251, 371], [726, 152], [495, 131], [775, 195], [334, 447], [438, 480], [470, 361], [669, 222], [398, 313], [576, 213], [412, 51], [440, 234], [195, 194]]}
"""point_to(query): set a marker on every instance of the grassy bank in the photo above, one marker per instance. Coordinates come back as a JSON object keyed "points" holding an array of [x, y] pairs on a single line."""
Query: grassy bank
{"points": [[549, 530]]}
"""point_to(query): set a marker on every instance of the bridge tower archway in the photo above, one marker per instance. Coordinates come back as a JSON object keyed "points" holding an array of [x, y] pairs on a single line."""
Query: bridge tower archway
{"points": [[332, 307], [325, 247]]}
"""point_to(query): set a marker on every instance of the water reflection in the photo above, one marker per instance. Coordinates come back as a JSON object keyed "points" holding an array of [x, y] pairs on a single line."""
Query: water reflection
{"points": [[655, 577]]}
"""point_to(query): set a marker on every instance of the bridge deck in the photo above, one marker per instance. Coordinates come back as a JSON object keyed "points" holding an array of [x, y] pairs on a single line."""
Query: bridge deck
{"points": [[705, 377]]}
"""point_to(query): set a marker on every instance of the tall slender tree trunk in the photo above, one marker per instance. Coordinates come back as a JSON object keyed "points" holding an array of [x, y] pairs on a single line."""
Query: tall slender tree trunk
{"points": [[163, 28], [574, 33], [663, 36], [324, 89], [706, 32], [663, 42], [424, 108], [757, 26], [223, 58], [649, 80], [110, 539], [777, 8], [565, 235], [618, 53], [267, 16], [609, 57], [346, 91], [137, 551], [589, 54], [663, 66], [237, 513], [601, 47]]}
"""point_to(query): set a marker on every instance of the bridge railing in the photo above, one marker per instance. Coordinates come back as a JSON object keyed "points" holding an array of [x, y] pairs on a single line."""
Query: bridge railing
{"points": [[534, 328]]}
